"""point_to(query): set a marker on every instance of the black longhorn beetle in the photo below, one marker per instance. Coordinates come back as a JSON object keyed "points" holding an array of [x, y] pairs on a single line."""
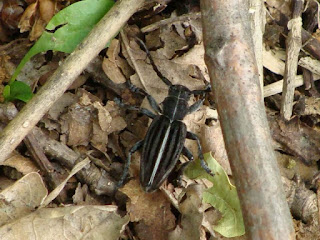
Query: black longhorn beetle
{"points": [[164, 141]]}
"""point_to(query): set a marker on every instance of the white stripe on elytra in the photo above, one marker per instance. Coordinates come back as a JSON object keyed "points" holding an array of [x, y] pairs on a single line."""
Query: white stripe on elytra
{"points": [[163, 144], [156, 166]]}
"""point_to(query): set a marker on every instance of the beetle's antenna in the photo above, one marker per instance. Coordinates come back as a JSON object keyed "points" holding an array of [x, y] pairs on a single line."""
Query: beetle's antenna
{"points": [[163, 78]]}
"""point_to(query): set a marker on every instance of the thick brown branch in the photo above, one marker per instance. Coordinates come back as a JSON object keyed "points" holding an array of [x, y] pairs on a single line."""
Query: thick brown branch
{"points": [[234, 75]]}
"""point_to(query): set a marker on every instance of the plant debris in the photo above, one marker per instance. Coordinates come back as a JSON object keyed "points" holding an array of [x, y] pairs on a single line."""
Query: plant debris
{"points": [[86, 123]]}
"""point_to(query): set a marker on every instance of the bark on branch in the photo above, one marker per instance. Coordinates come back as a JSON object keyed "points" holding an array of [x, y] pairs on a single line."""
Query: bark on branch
{"points": [[230, 58]]}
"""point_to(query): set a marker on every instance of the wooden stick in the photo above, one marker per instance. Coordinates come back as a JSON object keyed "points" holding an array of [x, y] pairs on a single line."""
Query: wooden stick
{"points": [[234, 75], [63, 77], [294, 42]]}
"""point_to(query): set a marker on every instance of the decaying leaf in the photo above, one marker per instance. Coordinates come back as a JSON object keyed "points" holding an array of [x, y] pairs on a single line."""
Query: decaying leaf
{"points": [[22, 198], [73, 222], [87, 121], [111, 66], [20, 163], [296, 138], [152, 211], [191, 209]]}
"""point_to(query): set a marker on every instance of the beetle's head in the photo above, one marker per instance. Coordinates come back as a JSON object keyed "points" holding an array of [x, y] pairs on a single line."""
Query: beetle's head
{"points": [[180, 92]]}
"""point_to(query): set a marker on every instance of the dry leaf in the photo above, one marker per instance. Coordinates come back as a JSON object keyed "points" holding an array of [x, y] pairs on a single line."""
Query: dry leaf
{"points": [[61, 104], [192, 215], [27, 17], [111, 69], [297, 138], [47, 9], [65, 223], [172, 42], [21, 198], [77, 125], [151, 210], [20, 163], [37, 29]]}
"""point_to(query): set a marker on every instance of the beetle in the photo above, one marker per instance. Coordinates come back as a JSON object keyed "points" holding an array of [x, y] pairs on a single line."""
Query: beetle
{"points": [[164, 140]]}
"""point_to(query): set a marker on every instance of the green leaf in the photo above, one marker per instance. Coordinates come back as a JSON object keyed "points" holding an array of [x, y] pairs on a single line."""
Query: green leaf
{"points": [[17, 90], [68, 28], [222, 196]]}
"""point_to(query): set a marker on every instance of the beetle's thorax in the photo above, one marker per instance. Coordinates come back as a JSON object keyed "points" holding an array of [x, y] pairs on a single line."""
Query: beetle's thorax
{"points": [[175, 106]]}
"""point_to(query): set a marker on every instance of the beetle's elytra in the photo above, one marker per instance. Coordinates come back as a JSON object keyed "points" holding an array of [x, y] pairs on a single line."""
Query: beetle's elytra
{"points": [[164, 141]]}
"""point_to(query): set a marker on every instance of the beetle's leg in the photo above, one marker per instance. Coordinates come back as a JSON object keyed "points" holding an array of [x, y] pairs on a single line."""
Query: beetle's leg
{"points": [[126, 167], [186, 152], [194, 107], [204, 165], [144, 111], [151, 100], [202, 92], [163, 78]]}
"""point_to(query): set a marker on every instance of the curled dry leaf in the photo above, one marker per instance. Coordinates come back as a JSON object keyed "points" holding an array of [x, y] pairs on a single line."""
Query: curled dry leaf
{"points": [[6, 68], [111, 69], [36, 16], [113, 65], [283, 6], [47, 9], [308, 106], [27, 18], [20, 163], [37, 29], [172, 42]]}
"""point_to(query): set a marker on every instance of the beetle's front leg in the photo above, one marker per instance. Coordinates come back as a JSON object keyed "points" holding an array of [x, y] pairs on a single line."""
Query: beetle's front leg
{"points": [[144, 111], [153, 103], [204, 165], [163, 78], [194, 107], [126, 167]]}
